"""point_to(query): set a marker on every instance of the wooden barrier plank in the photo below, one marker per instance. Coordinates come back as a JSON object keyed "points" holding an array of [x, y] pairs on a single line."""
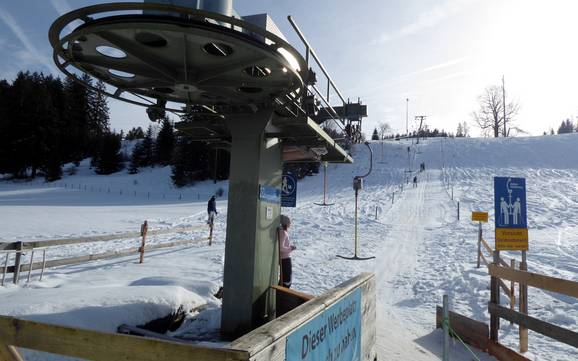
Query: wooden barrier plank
{"points": [[503, 353], [105, 255], [487, 246], [267, 343], [558, 285], [9, 353], [297, 294], [473, 332], [100, 346], [103, 238], [547, 329]]}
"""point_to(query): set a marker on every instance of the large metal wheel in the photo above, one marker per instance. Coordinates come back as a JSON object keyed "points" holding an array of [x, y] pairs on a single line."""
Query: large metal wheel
{"points": [[180, 55]]}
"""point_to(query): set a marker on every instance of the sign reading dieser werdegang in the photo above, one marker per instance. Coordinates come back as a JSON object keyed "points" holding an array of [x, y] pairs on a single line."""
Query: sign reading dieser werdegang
{"points": [[334, 335]]}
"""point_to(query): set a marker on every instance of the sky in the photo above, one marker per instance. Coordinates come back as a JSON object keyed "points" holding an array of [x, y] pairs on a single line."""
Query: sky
{"points": [[439, 54]]}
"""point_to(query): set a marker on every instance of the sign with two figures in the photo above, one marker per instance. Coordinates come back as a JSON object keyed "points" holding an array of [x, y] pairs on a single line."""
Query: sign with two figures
{"points": [[510, 214]]}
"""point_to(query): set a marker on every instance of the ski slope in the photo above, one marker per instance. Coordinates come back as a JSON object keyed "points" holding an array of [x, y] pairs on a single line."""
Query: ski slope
{"points": [[422, 251]]}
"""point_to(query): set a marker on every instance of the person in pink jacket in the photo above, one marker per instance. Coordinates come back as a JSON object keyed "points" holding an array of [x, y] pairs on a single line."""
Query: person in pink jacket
{"points": [[285, 249]]}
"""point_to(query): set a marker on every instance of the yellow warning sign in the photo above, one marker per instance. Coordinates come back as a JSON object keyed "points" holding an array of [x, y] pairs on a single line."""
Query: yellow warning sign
{"points": [[480, 216], [511, 239]]}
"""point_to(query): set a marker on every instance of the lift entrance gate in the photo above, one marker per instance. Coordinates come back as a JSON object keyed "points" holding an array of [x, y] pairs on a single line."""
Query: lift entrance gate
{"points": [[240, 87]]}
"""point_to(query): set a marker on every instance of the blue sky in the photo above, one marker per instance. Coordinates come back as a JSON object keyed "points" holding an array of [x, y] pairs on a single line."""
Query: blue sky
{"points": [[439, 54]]}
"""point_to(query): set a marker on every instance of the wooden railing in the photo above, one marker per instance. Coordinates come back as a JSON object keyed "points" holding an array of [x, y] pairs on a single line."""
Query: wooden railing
{"points": [[509, 291], [552, 284], [19, 248]]}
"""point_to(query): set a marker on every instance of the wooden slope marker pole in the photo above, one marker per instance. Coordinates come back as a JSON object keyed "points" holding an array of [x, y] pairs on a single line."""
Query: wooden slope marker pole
{"points": [[17, 261], [143, 233], [479, 242], [211, 226]]}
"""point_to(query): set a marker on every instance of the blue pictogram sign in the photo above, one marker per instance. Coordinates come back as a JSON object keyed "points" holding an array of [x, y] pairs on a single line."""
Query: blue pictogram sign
{"points": [[288, 190], [510, 202]]}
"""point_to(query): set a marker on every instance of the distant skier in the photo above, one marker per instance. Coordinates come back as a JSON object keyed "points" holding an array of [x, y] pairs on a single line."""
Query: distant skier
{"points": [[211, 210], [415, 182], [285, 248]]}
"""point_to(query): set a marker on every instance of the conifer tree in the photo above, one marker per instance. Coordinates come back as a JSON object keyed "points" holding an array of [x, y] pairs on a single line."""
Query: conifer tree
{"points": [[108, 158], [165, 143]]}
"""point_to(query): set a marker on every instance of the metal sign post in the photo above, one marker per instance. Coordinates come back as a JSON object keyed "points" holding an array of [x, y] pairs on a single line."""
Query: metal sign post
{"points": [[480, 217], [357, 186]]}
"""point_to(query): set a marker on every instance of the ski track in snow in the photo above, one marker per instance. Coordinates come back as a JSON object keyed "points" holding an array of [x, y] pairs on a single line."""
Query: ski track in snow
{"points": [[422, 251]]}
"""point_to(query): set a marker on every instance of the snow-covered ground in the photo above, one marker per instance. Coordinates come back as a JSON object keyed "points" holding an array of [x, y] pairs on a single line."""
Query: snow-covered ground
{"points": [[422, 251]]}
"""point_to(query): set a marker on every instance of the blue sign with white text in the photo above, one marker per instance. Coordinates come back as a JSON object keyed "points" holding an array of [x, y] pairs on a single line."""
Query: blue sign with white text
{"points": [[334, 335], [288, 190], [510, 202], [269, 194]]}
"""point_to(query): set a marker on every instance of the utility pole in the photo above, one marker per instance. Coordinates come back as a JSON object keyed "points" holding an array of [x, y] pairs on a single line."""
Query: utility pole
{"points": [[504, 101], [406, 116], [419, 118]]}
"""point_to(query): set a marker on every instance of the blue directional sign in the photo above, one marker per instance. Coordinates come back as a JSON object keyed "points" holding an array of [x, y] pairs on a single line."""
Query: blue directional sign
{"points": [[288, 190], [333, 335], [510, 213], [269, 194]]}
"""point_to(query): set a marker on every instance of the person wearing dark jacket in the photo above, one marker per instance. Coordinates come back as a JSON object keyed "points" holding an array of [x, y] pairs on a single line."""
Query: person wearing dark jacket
{"points": [[211, 210]]}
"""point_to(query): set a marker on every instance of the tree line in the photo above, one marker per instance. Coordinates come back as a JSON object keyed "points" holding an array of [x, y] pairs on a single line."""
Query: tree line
{"points": [[46, 122]]}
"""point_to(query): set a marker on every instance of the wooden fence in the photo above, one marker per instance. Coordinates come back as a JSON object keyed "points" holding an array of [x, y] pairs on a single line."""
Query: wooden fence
{"points": [[19, 248], [525, 278], [509, 291]]}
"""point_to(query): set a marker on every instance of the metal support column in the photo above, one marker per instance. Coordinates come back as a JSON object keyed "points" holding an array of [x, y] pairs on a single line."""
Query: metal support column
{"points": [[250, 250]]}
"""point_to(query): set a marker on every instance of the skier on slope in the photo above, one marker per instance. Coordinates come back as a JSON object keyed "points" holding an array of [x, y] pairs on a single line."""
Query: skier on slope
{"points": [[211, 210], [415, 182]]}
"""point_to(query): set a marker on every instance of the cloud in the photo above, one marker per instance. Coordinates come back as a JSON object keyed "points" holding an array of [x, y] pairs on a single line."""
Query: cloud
{"points": [[425, 20], [61, 6], [443, 65], [30, 51]]}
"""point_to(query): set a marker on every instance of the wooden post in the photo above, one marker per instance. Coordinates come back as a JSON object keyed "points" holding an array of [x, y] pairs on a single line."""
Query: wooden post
{"points": [[143, 233], [392, 197], [458, 211], [5, 268], [30, 265], [17, 261], [512, 291], [43, 264], [446, 328], [495, 299], [523, 306], [376, 213], [211, 225], [479, 242]]}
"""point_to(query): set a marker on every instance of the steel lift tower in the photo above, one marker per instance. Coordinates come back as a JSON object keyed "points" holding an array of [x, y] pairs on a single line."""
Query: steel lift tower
{"points": [[242, 87]]}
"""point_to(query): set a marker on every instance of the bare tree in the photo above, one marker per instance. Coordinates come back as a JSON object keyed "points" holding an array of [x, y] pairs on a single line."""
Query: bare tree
{"points": [[490, 115], [383, 129]]}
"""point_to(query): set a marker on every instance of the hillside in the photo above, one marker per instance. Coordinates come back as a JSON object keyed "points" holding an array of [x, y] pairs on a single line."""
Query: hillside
{"points": [[422, 251]]}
